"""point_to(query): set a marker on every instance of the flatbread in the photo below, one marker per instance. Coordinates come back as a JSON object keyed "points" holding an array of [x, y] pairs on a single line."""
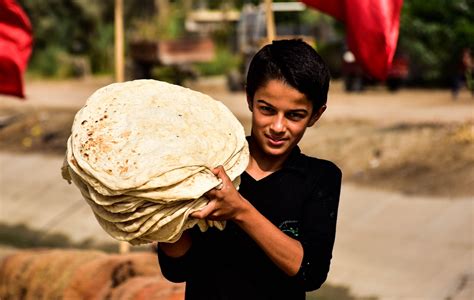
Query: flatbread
{"points": [[142, 154], [170, 127]]}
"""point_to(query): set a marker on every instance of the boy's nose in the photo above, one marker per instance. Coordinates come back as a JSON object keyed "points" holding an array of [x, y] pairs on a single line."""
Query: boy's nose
{"points": [[278, 124]]}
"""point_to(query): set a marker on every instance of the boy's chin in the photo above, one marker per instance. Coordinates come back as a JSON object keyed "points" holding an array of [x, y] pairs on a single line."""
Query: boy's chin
{"points": [[272, 151]]}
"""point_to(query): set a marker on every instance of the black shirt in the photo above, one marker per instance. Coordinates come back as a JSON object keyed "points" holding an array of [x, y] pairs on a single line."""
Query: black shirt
{"points": [[302, 200]]}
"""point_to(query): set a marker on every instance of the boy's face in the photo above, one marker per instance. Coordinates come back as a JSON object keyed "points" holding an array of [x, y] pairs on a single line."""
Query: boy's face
{"points": [[280, 116]]}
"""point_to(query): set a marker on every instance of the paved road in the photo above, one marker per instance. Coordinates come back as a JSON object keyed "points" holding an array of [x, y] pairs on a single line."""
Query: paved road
{"points": [[34, 193], [388, 245], [401, 247]]}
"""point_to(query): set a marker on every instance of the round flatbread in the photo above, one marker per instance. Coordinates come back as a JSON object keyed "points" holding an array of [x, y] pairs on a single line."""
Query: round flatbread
{"points": [[145, 134], [142, 154]]}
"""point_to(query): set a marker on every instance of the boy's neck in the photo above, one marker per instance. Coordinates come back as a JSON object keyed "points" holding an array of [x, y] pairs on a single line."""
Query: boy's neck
{"points": [[262, 164]]}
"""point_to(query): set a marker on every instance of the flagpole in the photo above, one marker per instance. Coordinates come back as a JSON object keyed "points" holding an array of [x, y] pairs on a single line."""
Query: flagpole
{"points": [[124, 247]]}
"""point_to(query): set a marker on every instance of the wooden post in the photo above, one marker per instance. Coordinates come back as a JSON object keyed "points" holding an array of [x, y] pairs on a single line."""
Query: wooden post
{"points": [[119, 41], [124, 247], [187, 6], [163, 12], [270, 20]]}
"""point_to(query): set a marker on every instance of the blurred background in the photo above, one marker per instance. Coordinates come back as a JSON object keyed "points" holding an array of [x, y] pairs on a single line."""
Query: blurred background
{"points": [[405, 142], [76, 38]]}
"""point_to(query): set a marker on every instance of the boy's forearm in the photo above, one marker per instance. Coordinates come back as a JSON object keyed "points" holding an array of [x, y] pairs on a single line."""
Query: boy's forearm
{"points": [[179, 248], [284, 251]]}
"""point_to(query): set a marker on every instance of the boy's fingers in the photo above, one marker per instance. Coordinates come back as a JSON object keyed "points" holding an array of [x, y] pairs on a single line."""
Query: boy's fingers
{"points": [[154, 246], [211, 194], [205, 211], [217, 170], [220, 172]]}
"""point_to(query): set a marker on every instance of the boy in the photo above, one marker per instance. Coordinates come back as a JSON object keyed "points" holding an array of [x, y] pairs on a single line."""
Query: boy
{"points": [[279, 237]]}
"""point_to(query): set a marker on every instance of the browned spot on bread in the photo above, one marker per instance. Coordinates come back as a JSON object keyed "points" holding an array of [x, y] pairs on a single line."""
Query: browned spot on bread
{"points": [[123, 169], [99, 143], [125, 134]]}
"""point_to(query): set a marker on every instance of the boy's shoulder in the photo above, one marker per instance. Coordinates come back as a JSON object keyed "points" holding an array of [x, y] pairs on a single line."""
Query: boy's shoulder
{"points": [[318, 166], [322, 175]]}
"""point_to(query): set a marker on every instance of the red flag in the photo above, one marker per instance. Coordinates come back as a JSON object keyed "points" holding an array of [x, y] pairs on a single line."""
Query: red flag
{"points": [[15, 47], [372, 29]]}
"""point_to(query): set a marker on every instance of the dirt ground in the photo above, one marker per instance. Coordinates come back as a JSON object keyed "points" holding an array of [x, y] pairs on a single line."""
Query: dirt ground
{"points": [[417, 142]]}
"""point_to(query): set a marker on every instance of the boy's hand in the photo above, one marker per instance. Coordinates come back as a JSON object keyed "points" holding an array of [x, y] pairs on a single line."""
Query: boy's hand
{"points": [[225, 202]]}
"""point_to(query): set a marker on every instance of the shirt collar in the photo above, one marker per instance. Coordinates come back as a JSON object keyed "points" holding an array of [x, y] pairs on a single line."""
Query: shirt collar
{"points": [[293, 162]]}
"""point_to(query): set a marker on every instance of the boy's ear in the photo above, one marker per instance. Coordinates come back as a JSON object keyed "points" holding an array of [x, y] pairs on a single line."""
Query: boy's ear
{"points": [[317, 115], [250, 103]]}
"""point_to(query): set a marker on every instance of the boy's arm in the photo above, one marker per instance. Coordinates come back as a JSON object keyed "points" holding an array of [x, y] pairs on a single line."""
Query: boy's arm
{"points": [[175, 258], [228, 204], [318, 228], [284, 251], [308, 258], [179, 248]]}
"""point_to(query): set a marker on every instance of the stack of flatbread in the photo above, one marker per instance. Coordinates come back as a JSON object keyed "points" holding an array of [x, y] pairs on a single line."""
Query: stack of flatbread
{"points": [[141, 153]]}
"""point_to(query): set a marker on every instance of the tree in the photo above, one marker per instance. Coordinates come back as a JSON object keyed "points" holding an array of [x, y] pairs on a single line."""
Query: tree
{"points": [[433, 34]]}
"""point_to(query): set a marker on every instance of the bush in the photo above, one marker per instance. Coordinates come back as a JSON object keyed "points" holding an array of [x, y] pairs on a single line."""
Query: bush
{"points": [[222, 64], [433, 33]]}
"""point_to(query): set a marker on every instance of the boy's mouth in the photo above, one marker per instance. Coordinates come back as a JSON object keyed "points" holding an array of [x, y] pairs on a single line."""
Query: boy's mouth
{"points": [[276, 141]]}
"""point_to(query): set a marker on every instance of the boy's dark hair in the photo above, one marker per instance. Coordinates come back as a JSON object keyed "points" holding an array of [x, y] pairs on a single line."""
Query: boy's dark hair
{"points": [[294, 62]]}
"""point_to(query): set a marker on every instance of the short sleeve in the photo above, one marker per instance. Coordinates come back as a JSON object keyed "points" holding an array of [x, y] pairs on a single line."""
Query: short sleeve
{"points": [[318, 228], [177, 269]]}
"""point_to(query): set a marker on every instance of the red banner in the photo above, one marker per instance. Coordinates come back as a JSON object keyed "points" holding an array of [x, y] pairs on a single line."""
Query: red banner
{"points": [[372, 30], [15, 47]]}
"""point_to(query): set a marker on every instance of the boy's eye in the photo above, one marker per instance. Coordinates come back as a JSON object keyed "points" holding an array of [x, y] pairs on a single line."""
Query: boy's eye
{"points": [[266, 109], [295, 116]]}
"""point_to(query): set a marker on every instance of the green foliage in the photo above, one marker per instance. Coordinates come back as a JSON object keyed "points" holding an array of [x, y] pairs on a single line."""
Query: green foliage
{"points": [[222, 64], [101, 52], [433, 33], [45, 62], [154, 28], [166, 73], [65, 31]]}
